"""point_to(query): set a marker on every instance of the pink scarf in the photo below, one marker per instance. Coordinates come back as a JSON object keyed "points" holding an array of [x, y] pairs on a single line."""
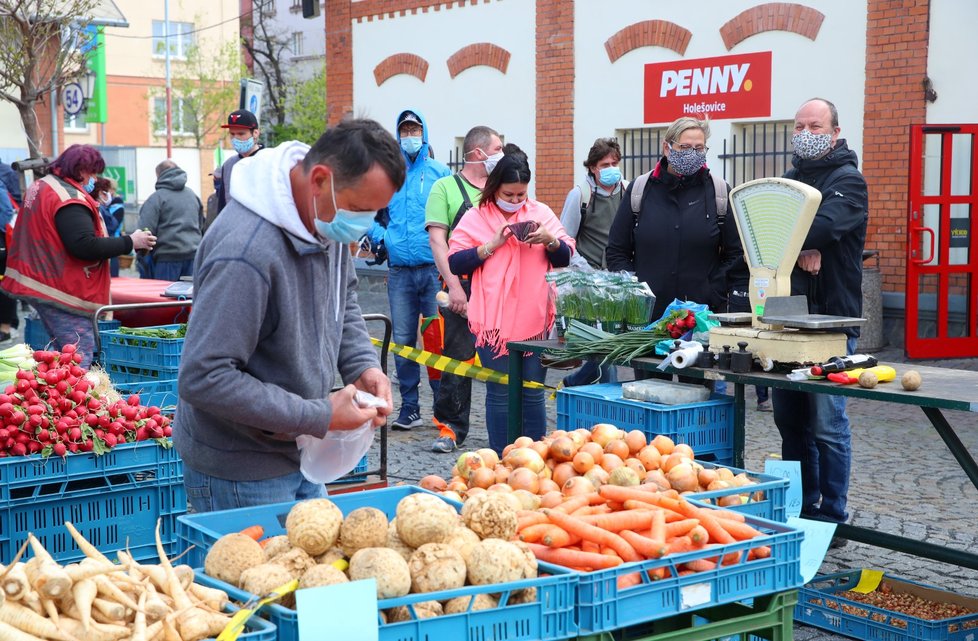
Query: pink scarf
{"points": [[511, 299]]}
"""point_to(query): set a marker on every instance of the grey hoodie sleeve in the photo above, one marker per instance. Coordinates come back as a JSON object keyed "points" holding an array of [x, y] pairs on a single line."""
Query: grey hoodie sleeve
{"points": [[149, 214], [213, 369], [357, 353]]}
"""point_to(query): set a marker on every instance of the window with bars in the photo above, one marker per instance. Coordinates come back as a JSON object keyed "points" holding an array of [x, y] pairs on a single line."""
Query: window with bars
{"points": [[640, 150], [757, 150], [180, 35], [297, 43], [183, 116]]}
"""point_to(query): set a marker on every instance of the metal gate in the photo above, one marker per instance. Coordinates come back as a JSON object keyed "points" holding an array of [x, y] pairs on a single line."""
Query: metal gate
{"points": [[942, 253]]}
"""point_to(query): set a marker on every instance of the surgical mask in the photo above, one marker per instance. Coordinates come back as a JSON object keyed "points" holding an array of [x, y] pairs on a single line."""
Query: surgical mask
{"points": [[508, 207], [609, 176], [411, 144], [90, 185], [686, 162], [810, 146], [492, 161], [242, 146], [347, 226]]}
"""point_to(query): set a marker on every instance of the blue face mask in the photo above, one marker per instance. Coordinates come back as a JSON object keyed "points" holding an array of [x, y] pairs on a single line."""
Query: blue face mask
{"points": [[90, 185], [411, 144], [609, 176], [347, 226], [242, 146]]}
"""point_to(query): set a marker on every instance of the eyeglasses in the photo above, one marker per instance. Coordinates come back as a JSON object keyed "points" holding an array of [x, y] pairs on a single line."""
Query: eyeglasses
{"points": [[684, 147], [411, 131]]}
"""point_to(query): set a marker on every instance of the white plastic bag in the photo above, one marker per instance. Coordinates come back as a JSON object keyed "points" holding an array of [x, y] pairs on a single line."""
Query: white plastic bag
{"points": [[323, 460]]}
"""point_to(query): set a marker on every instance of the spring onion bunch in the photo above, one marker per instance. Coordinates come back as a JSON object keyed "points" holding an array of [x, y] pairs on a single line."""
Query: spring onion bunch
{"points": [[19, 356], [583, 341]]}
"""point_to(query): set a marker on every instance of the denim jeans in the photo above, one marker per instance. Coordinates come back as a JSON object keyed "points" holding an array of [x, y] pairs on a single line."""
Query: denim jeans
{"points": [[172, 270], [591, 372], [411, 291], [209, 494], [497, 399], [454, 398], [66, 328], [815, 431]]}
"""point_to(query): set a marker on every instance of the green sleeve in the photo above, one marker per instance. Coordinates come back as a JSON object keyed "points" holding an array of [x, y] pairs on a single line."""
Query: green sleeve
{"points": [[437, 208]]}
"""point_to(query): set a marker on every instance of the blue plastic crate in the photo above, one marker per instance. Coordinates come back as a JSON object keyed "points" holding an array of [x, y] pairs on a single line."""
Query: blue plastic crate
{"points": [[707, 427], [121, 374], [551, 616], [766, 499], [161, 393], [357, 474], [142, 351], [38, 338], [603, 606], [820, 604], [255, 629]]}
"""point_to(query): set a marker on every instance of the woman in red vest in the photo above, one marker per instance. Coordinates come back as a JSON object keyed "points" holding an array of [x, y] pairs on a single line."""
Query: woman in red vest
{"points": [[58, 257]]}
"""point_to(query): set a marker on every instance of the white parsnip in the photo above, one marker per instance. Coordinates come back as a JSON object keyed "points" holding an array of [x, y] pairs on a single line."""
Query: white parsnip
{"points": [[51, 609], [113, 610], [15, 583], [84, 592], [139, 624], [170, 630], [33, 601], [156, 608], [48, 578], [10, 633], [213, 598], [97, 631], [111, 591], [27, 620], [87, 548]]}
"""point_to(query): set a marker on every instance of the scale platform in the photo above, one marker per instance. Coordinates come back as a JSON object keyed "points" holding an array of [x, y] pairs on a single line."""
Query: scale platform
{"points": [[812, 321]]}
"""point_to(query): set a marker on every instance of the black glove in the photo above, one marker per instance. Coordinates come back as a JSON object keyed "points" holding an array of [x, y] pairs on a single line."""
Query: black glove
{"points": [[379, 250]]}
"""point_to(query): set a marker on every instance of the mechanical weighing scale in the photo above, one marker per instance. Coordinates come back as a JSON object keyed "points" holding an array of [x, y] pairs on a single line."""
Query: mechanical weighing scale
{"points": [[773, 216]]}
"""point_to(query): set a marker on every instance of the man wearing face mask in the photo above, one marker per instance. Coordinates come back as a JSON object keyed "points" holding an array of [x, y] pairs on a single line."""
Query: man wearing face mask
{"points": [[814, 427], [276, 314], [412, 280], [243, 130], [450, 198], [676, 242]]}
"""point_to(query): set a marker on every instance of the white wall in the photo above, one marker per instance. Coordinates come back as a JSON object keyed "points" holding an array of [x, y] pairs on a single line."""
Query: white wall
{"points": [[953, 49], [609, 96], [148, 157], [477, 96], [13, 143]]}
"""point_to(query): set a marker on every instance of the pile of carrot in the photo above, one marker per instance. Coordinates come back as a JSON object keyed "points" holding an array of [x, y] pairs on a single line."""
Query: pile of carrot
{"points": [[616, 525], [99, 600]]}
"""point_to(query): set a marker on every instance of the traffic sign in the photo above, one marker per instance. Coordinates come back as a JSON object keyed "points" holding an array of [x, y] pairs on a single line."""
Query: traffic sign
{"points": [[73, 98], [118, 174]]}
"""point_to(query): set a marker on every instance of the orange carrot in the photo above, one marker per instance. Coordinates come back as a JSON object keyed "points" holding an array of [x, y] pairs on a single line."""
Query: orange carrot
{"points": [[760, 552], [557, 537], [571, 558], [717, 532], [629, 580], [700, 565], [635, 504], [622, 493], [572, 503], [679, 528], [592, 509], [738, 530], [576, 526], [254, 532], [729, 515], [679, 545], [624, 520], [657, 574], [699, 536], [590, 546], [534, 533], [658, 530], [649, 548], [533, 518]]}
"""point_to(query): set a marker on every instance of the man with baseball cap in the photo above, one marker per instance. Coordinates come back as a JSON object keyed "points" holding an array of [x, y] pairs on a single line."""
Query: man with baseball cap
{"points": [[243, 128]]}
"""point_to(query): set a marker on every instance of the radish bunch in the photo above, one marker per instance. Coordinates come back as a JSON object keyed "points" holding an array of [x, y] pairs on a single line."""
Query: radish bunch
{"points": [[53, 409]]}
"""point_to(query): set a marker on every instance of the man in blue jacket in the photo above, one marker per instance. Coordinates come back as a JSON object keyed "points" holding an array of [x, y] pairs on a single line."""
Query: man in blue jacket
{"points": [[413, 277]]}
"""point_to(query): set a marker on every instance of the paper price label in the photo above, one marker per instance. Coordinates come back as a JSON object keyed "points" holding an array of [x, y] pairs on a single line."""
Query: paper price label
{"points": [[695, 595]]}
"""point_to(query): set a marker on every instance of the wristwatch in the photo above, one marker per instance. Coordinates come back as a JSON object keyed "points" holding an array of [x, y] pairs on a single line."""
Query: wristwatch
{"points": [[553, 244]]}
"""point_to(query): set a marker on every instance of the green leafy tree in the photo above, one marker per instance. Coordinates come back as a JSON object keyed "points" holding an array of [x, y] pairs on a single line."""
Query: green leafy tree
{"points": [[305, 118], [39, 53]]}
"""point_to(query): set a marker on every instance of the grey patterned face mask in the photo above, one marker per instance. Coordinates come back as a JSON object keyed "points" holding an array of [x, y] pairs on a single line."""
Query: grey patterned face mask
{"points": [[810, 146], [686, 162]]}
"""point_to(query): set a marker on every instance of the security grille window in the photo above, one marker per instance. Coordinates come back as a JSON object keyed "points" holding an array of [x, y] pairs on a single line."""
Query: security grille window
{"points": [[757, 150], [183, 117], [180, 35], [297, 39], [296, 6], [640, 150]]}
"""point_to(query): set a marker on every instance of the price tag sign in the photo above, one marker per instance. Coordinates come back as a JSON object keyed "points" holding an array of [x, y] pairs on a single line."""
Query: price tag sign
{"points": [[73, 98], [790, 470]]}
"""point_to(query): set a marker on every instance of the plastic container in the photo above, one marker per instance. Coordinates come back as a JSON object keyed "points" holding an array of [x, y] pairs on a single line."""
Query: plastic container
{"points": [[114, 500], [357, 474], [122, 374], [38, 338], [821, 605], [765, 499], [142, 351], [602, 605], [551, 616], [707, 427], [664, 392], [769, 616], [255, 629], [161, 393]]}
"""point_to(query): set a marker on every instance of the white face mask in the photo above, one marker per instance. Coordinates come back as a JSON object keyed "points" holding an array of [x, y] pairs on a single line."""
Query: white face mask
{"points": [[508, 207], [492, 161]]}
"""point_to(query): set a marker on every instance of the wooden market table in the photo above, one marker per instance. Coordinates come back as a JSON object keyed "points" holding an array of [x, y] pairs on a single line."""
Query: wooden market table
{"points": [[946, 389]]}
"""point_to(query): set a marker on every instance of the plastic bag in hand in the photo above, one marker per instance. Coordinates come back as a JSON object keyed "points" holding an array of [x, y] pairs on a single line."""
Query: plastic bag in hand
{"points": [[323, 460]]}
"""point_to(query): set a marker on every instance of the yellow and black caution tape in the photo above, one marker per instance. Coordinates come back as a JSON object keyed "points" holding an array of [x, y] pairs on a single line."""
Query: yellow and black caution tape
{"points": [[236, 626], [452, 366]]}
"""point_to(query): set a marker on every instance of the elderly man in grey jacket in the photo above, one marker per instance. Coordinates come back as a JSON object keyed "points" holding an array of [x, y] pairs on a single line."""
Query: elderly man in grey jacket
{"points": [[276, 314], [175, 215]]}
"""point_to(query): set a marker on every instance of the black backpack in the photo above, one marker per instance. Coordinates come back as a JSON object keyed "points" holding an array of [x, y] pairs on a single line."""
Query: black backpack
{"points": [[466, 202]]}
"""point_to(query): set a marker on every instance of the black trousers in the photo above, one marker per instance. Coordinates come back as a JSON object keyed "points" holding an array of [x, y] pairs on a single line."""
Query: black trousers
{"points": [[454, 398]]}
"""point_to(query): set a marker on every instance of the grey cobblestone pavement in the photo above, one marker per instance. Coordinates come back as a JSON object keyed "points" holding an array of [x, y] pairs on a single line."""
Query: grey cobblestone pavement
{"points": [[904, 480]]}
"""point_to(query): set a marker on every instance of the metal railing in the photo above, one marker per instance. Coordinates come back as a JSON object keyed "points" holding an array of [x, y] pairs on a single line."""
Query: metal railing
{"points": [[756, 150]]}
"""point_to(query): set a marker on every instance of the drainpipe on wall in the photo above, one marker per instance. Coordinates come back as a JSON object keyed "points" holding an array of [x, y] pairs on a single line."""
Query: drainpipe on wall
{"points": [[54, 123]]}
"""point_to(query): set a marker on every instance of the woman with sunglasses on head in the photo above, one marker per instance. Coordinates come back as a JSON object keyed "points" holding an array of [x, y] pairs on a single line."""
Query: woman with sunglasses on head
{"points": [[508, 244], [676, 242]]}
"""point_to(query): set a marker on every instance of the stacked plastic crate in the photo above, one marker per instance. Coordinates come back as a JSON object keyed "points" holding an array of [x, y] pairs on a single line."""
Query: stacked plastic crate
{"points": [[38, 338], [144, 364]]}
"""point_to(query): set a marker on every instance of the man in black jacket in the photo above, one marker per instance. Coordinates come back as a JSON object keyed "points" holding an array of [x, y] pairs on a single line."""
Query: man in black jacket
{"points": [[814, 427]]}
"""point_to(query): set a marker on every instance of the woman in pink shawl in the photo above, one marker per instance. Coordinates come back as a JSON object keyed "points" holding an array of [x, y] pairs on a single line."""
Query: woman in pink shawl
{"points": [[508, 244]]}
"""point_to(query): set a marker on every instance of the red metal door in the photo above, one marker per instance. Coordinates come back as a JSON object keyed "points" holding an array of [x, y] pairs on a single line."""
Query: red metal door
{"points": [[942, 251]]}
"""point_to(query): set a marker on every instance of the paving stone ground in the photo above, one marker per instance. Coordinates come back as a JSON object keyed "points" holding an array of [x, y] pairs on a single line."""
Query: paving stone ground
{"points": [[904, 480]]}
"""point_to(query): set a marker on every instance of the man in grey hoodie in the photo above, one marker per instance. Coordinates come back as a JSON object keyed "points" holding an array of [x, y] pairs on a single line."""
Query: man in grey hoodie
{"points": [[175, 215], [276, 314]]}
